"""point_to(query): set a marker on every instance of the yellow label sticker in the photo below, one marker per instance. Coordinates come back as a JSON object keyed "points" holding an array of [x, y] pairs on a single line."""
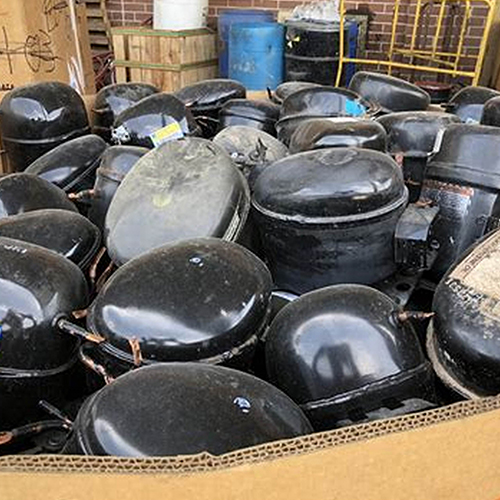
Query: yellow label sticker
{"points": [[171, 132]]}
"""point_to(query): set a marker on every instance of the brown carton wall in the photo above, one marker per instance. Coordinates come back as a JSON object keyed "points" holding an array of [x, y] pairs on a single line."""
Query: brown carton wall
{"points": [[450, 453], [44, 40]]}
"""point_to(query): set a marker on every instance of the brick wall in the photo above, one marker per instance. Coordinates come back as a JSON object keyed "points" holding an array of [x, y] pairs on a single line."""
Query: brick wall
{"points": [[133, 12], [129, 12]]}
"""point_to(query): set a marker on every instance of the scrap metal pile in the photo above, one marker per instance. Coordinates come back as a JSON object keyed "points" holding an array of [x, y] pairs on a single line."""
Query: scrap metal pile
{"points": [[201, 271]]}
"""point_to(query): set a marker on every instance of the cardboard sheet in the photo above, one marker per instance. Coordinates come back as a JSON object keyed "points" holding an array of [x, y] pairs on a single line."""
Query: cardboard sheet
{"points": [[455, 460], [43, 40]]}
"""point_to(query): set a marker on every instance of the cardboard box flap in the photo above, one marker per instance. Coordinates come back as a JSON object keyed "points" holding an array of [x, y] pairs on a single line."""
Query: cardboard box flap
{"points": [[270, 451], [456, 459], [45, 40]]}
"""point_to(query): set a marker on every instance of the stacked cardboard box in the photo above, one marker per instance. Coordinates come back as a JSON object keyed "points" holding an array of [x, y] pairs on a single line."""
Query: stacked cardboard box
{"points": [[44, 40]]}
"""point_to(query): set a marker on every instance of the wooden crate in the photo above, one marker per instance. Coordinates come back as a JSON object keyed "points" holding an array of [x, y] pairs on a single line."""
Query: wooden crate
{"points": [[169, 60]]}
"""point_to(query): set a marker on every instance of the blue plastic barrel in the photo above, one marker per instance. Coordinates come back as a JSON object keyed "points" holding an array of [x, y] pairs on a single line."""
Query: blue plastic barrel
{"points": [[350, 69], [257, 55], [229, 17]]}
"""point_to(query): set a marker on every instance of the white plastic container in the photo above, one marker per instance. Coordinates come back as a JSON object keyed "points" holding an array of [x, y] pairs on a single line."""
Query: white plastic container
{"points": [[180, 14]]}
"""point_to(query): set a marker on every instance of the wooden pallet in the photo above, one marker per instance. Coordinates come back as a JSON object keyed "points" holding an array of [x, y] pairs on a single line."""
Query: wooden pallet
{"points": [[99, 26], [169, 60]]}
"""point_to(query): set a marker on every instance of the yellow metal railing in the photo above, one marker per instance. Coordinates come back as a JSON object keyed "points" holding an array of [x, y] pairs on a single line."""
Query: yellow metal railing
{"points": [[434, 60]]}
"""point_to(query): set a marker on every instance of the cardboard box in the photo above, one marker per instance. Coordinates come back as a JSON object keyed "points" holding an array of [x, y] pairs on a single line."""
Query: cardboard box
{"points": [[43, 40], [89, 101], [85, 50], [450, 453], [4, 161], [445, 454], [258, 95]]}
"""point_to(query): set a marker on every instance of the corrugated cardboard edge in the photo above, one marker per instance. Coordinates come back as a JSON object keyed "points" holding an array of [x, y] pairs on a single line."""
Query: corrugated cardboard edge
{"points": [[263, 453], [455, 460]]}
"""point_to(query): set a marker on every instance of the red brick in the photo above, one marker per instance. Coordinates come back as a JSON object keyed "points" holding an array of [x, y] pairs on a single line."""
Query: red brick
{"points": [[266, 4], [241, 3]]}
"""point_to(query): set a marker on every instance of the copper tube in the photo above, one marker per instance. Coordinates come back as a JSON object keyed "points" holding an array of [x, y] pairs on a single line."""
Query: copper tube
{"points": [[95, 265]]}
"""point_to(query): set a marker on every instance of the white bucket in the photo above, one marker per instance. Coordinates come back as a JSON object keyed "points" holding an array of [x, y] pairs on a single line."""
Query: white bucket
{"points": [[180, 14]]}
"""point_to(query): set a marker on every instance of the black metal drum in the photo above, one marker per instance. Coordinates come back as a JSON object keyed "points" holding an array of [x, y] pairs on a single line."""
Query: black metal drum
{"points": [[199, 300], [468, 103], [464, 336], [181, 190], [261, 115], [413, 137], [67, 233], [206, 99], [113, 100], [39, 117], [390, 93], [22, 192], [36, 287], [345, 356], [115, 164], [71, 166], [329, 216], [320, 102], [183, 409], [146, 123], [322, 133], [463, 179], [251, 149]]}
